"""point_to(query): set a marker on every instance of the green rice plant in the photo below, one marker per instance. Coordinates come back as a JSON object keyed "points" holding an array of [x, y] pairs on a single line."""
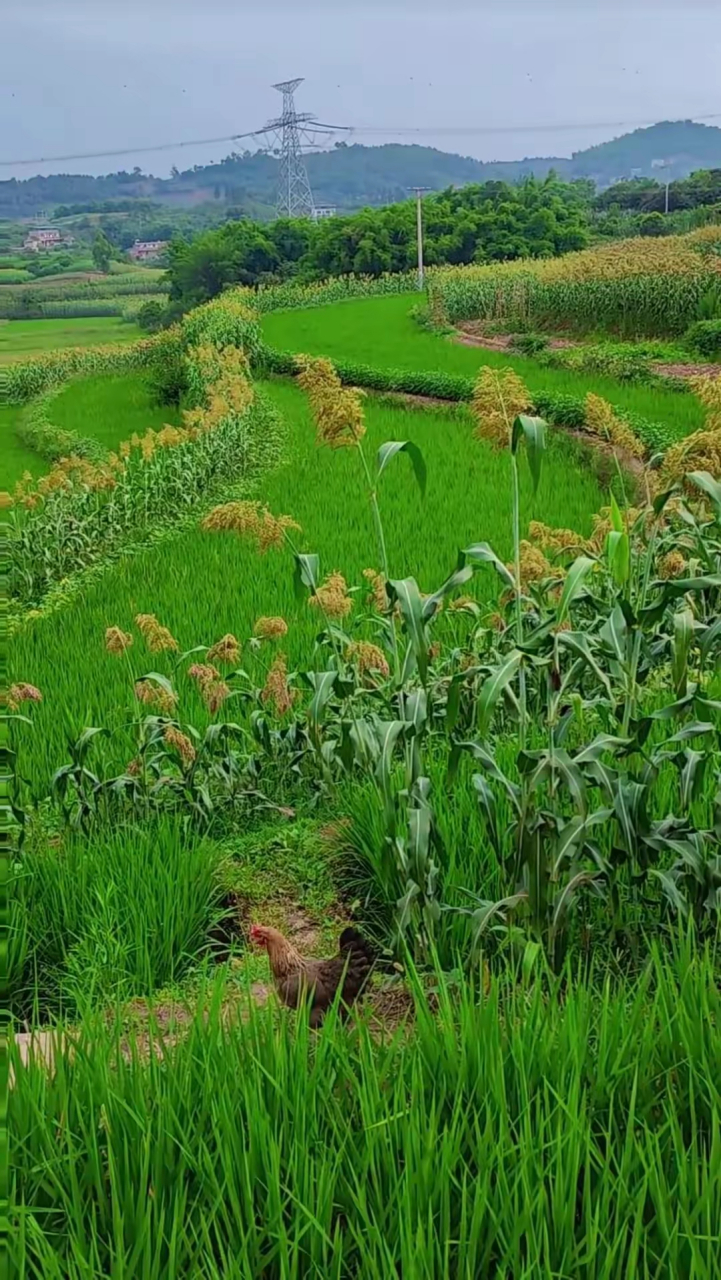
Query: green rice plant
{"points": [[21, 340], [29, 378], [292, 296], [376, 339], [523, 1130], [96, 920], [191, 584]]}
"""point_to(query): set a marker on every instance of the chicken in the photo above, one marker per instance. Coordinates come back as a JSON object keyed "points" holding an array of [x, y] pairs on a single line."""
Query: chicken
{"points": [[297, 978]]}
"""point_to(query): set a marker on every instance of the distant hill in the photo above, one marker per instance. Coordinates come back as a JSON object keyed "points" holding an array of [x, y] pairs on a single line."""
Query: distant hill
{"points": [[352, 176]]}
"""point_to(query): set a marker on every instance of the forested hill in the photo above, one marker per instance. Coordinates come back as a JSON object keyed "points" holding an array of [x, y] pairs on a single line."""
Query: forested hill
{"points": [[353, 176]]}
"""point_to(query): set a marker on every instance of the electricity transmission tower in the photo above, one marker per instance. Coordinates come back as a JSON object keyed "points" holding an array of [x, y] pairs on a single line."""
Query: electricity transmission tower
{"points": [[293, 131]]}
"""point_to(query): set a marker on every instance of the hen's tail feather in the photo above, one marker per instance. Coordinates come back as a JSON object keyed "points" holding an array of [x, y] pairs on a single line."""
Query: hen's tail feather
{"points": [[360, 958], [354, 944]]}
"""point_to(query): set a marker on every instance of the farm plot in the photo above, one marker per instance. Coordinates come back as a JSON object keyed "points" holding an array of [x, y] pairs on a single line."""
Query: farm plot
{"points": [[22, 338], [382, 332], [204, 585], [107, 409]]}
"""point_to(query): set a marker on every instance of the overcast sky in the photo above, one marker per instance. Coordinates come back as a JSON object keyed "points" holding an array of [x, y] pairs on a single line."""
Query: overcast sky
{"points": [[97, 75]]}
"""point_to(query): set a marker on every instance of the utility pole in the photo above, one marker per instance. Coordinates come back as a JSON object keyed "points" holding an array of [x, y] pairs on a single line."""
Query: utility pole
{"points": [[419, 219], [665, 165]]}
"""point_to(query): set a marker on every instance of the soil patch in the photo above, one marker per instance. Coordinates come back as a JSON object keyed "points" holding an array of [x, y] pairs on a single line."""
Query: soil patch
{"points": [[685, 370], [470, 334]]}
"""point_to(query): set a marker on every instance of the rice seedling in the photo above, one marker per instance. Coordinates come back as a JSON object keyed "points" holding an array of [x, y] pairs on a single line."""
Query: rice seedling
{"points": [[379, 333], [527, 1130], [92, 921]]}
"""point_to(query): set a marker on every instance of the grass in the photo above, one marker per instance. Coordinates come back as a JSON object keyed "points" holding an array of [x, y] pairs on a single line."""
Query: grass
{"points": [[22, 338], [203, 584], [381, 332], [525, 1132]]}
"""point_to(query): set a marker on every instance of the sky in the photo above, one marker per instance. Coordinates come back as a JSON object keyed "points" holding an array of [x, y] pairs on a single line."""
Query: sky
{"points": [[495, 79]]}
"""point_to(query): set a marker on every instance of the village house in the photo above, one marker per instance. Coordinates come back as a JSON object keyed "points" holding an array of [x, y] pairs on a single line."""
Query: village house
{"points": [[147, 250]]}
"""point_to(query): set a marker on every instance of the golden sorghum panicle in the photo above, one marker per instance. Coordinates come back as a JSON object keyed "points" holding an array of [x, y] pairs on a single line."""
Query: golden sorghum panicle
{"points": [[708, 391], [117, 641], [6, 499], [157, 637], [601, 421], [332, 597], [240, 517], [180, 743], [225, 650], [214, 694], [337, 410], [22, 692], [672, 565], [377, 594], [497, 622], [367, 657], [498, 398], [151, 694], [534, 565], [701, 451], [556, 540], [249, 518], [203, 672], [462, 603], [271, 628], [134, 767], [272, 530], [276, 692]]}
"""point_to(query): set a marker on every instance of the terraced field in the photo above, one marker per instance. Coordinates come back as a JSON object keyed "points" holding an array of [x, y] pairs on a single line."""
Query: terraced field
{"points": [[382, 332], [481, 728]]}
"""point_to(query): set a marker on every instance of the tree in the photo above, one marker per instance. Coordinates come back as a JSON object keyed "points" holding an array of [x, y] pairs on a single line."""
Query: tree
{"points": [[102, 252]]}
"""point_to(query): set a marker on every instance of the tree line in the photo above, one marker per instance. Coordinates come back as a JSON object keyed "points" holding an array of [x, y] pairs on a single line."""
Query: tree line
{"points": [[489, 222]]}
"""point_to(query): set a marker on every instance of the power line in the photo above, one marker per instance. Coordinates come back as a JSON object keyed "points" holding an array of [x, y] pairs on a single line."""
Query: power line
{"points": [[358, 130]]}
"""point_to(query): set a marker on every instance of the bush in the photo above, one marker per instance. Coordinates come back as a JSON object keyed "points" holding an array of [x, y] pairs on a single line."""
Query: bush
{"points": [[704, 338], [150, 316], [529, 344], [654, 224]]}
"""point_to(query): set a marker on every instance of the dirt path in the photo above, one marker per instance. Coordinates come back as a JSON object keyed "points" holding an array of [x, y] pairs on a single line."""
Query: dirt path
{"points": [[685, 370], [470, 334]]}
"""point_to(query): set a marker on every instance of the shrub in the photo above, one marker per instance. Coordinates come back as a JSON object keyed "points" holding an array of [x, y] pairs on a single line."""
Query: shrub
{"points": [[704, 337], [529, 344]]}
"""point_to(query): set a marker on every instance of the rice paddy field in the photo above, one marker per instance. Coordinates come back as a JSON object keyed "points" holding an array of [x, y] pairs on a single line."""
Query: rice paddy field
{"points": [[382, 332], [22, 338], [493, 1108], [203, 583], [107, 409]]}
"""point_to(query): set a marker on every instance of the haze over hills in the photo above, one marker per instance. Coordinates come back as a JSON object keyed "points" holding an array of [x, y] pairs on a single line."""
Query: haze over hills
{"points": [[351, 176]]}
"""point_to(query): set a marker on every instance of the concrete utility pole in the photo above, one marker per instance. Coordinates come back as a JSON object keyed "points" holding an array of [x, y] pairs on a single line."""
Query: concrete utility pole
{"points": [[419, 212], [666, 165]]}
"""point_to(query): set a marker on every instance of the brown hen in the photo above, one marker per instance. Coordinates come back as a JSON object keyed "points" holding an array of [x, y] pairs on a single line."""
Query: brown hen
{"points": [[297, 978]]}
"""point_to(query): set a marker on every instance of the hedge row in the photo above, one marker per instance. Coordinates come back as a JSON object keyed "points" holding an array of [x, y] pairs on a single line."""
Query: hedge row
{"points": [[75, 308], [26, 379], [292, 295], [558, 410]]}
